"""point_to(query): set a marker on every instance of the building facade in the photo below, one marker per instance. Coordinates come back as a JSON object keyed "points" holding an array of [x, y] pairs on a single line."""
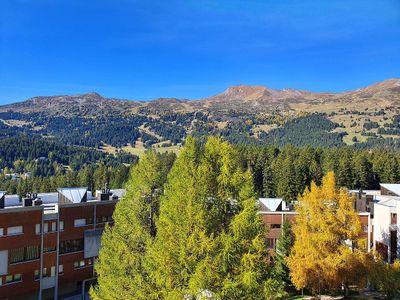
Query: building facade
{"points": [[274, 211], [48, 242]]}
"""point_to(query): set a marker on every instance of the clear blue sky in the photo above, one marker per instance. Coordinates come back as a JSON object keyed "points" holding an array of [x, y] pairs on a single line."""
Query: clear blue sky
{"points": [[191, 49]]}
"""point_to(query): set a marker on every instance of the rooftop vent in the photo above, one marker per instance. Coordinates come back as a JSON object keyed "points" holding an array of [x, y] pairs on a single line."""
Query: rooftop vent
{"points": [[28, 200]]}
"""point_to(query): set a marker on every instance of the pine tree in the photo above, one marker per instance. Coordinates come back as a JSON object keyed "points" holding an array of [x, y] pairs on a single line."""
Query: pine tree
{"points": [[122, 272], [210, 239], [181, 243], [283, 247], [268, 180], [233, 221]]}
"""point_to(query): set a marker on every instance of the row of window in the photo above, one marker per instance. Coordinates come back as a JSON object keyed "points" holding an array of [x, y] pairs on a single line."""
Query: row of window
{"points": [[52, 272], [48, 227], [71, 246], [13, 230], [89, 221], [46, 273], [52, 226], [23, 254], [33, 252], [11, 278], [83, 263]]}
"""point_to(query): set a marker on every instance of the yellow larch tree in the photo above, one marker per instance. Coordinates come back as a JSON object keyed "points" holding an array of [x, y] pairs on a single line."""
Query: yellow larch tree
{"points": [[328, 250]]}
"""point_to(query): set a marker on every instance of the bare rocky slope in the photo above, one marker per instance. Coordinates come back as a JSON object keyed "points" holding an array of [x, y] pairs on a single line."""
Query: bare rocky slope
{"points": [[239, 98]]}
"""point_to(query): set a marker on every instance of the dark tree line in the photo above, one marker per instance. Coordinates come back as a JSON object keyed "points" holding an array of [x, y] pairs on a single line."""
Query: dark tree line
{"points": [[285, 172], [45, 154]]}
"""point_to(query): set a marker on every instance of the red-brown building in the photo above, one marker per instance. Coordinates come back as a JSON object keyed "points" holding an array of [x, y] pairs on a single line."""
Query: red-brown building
{"points": [[48, 242], [274, 211]]}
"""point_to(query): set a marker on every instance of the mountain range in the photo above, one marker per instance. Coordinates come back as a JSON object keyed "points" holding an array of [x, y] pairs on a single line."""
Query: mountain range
{"points": [[251, 110], [240, 97]]}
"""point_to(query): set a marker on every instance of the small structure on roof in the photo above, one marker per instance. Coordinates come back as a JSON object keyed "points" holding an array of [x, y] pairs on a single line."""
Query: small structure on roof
{"points": [[390, 189], [272, 204], [72, 195]]}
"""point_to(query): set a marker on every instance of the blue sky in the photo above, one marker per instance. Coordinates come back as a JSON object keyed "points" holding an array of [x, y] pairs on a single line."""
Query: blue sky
{"points": [[191, 49]]}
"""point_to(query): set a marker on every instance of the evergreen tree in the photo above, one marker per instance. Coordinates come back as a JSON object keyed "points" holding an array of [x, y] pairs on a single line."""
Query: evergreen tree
{"points": [[210, 239], [268, 180], [121, 269], [283, 247], [181, 242]]}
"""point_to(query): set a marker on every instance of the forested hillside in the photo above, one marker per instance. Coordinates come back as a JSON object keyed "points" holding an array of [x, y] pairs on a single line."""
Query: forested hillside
{"points": [[366, 118], [285, 172]]}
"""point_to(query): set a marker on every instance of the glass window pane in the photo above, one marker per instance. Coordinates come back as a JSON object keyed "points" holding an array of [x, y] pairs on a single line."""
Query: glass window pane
{"points": [[79, 222], [15, 230], [17, 255], [37, 228]]}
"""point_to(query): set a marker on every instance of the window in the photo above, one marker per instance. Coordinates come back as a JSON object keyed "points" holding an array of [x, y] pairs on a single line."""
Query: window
{"points": [[79, 222], [71, 246], [49, 249], [393, 219], [90, 221], [37, 275], [31, 252], [61, 269], [61, 225], [53, 226], [17, 255], [104, 219], [15, 230], [13, 278], [1, 231], [79, 264], [44, 273], [270, 243], [53, 271], [46, 227], [24, 254], [1, 281], [275, 226], [37, 228]]}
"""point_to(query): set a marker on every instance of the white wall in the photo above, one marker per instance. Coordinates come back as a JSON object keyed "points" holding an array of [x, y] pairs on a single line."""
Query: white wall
{"points": [[381, 224]]}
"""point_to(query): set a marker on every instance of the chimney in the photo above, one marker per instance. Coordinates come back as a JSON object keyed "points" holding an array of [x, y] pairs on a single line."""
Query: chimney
{"points": [[105, 193], [28, 200], [37, 202]]}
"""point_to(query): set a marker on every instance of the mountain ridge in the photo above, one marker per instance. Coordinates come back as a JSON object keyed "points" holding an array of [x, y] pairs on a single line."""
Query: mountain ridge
{"points": [[259, 95]]}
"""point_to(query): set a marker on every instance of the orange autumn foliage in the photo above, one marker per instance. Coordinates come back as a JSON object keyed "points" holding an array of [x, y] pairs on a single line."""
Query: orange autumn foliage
{"points": [[327, 250]]}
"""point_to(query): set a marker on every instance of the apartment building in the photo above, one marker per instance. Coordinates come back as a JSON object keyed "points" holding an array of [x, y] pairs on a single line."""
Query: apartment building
{"points": [[385, 223], [275, 210], [49, 241]]}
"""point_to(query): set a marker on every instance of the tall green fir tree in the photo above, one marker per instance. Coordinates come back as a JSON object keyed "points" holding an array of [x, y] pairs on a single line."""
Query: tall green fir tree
{"points": [[283, 247], [121, 269]]}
